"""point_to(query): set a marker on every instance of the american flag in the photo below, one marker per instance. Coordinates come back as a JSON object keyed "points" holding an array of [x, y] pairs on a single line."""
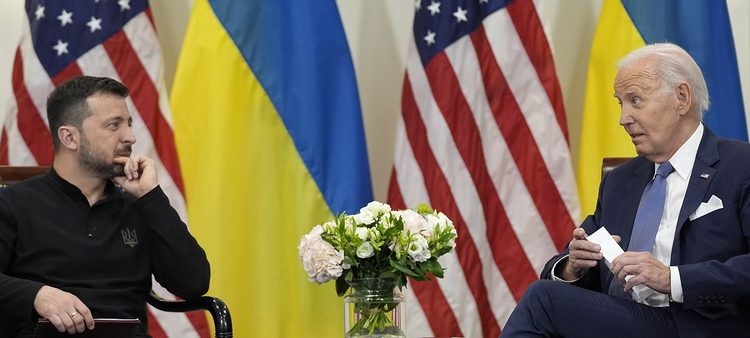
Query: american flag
{"points": [[483, 138], [114, 38]]}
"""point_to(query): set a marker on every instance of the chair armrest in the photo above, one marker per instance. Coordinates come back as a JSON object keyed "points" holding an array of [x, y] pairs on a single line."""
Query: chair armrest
{"points": [[219, 311]]}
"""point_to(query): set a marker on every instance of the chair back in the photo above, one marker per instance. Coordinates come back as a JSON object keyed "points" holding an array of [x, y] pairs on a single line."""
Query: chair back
{"points": [[10, 174], [609, 163]]}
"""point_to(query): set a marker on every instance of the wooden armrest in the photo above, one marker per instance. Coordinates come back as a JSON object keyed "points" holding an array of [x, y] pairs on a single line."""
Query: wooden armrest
{"points": [[219, 311], [609, 163]]}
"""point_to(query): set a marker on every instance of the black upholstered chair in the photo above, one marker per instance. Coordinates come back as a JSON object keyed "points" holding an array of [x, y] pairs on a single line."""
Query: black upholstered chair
{"points": [[216, 307]]}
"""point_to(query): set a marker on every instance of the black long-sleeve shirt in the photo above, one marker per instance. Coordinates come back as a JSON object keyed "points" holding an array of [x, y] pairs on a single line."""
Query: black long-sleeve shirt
{"points": [[104, 254]]}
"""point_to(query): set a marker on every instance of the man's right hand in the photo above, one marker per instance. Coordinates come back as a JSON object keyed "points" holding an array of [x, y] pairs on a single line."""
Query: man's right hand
{"points": [[583, 255], [64, 310]]}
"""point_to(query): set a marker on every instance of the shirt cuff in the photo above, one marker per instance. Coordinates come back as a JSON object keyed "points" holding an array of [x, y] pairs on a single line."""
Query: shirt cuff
{"points": [[676, 284], [558, 279]]}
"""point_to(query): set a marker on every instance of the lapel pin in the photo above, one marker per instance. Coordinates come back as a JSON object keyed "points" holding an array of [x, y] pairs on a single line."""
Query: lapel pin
{"points": [[704, 175]]}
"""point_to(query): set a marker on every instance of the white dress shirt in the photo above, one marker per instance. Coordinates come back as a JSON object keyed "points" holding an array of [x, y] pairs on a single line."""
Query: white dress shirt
{"points": [[677, 184]]}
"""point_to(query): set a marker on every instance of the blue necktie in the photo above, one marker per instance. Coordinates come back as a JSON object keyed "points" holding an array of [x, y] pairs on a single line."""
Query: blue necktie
{"points": [[648, 216], [647, 219]]}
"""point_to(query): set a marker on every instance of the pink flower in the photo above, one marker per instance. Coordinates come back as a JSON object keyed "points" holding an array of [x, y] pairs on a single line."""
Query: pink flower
{"points": [[321, 260], [415, 223]]}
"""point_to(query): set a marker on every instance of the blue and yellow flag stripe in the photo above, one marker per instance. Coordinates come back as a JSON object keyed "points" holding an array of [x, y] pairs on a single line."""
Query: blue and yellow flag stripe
{"points": [[299, 53], [270, 137]]}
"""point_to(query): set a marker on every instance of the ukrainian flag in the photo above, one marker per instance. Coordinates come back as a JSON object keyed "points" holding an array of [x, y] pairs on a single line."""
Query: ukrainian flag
{"points": [[271, 142], [701, 27]]}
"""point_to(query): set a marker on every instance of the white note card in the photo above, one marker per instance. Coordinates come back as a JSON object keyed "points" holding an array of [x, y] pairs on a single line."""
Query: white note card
{"points": [[610, 251], [610, 248]]}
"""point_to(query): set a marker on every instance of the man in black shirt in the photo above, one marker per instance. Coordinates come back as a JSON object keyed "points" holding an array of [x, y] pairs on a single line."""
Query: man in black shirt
{"points": [[74, 245]]}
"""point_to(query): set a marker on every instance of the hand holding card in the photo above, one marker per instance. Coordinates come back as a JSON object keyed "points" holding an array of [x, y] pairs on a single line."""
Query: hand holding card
{"points": [[610, 251]]}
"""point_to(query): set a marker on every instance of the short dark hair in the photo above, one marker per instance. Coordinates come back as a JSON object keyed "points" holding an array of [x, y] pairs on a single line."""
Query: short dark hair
{"points": [[66, 105]]}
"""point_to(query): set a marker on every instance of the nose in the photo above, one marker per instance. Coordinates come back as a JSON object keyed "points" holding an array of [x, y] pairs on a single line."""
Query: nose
{"points": [[625, 116], [129, 137]]}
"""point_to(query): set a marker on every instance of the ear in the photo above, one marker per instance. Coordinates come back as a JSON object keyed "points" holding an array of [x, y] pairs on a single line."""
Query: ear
{"points": [[69, 137], [684, 98]]}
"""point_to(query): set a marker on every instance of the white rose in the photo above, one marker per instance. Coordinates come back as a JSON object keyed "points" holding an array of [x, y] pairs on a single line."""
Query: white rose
{"points": [[321, 260], [377, 208], [365, 250], [418, 249], [361, 233], [433, 220], [445, 221], [364, 217], [415, 223]]}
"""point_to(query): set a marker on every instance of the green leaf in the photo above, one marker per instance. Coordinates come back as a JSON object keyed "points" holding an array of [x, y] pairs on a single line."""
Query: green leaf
{"points": [[401, 280], [438, 272], [341, 286], [403, 268], [441, 251], [433, 266]]}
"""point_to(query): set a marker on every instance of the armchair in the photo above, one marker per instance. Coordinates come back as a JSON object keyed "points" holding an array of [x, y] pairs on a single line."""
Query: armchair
{"points": [[216, 307]]}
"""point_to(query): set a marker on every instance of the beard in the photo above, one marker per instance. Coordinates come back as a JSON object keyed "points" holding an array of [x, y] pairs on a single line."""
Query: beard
{"points": [[95, 162]]}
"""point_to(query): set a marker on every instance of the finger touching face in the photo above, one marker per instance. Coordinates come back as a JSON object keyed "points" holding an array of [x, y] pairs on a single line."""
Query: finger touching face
{"points": [[107, 134]]}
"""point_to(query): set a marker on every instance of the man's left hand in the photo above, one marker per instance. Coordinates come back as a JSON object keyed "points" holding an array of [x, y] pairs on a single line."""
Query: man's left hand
{"points": [[645, 269], [140, 175]]}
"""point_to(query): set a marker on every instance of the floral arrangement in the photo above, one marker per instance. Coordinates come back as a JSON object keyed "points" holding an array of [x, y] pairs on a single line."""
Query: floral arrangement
{"points": [[378, 243]]}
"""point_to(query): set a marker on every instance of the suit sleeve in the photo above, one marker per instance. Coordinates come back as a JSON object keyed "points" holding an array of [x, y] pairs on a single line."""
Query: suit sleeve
{"points": [[178, 262], [17, 295], [590, 280]]}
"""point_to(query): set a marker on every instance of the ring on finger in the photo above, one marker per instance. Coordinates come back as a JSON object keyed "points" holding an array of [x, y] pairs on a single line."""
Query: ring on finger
{"points": [[73, 314]]}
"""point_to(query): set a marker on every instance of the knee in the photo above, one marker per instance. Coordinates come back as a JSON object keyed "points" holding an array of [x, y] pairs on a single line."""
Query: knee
{"points": [[534, 314], [540, 289], [540, 295]]}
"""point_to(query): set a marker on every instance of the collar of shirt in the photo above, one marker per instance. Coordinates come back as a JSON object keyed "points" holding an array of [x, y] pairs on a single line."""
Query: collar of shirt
{"points": [[684, 158], [110, 190]]}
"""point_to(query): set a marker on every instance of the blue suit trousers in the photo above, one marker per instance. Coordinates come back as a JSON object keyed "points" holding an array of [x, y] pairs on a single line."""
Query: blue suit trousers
{"points": [[558, 309]]}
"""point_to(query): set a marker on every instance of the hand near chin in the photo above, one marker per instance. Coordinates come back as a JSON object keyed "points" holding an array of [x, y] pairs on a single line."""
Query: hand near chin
{"points": [[140, 174]]}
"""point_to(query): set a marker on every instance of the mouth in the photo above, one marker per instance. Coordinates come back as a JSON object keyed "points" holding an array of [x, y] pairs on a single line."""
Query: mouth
{"points": [[124, 152], [635, 136]]}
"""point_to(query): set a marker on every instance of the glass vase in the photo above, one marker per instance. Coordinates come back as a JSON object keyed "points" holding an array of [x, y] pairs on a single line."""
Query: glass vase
{"points": [[373, 309]]}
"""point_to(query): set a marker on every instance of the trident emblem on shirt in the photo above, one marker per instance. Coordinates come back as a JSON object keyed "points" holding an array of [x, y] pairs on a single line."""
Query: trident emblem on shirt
{"points": [[129, 237]]}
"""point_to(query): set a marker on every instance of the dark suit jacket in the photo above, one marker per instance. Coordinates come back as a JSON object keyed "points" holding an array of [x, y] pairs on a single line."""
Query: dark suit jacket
{"points": [[712, 251]]}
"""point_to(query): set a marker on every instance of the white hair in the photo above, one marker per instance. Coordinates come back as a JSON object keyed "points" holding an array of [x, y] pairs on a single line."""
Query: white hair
{"points": [[674, 65]]}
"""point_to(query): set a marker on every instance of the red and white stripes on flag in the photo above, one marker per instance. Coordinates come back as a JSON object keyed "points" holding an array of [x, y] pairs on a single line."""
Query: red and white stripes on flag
{"points": [[483, 138], [128, 52]]}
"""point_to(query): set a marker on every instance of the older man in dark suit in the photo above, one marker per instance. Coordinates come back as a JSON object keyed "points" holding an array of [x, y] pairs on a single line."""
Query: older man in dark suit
{"points": [[680, 210]]}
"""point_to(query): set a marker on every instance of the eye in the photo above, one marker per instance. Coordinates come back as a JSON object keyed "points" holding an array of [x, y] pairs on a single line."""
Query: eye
{"points": [[113, 125], [636, 100]]}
